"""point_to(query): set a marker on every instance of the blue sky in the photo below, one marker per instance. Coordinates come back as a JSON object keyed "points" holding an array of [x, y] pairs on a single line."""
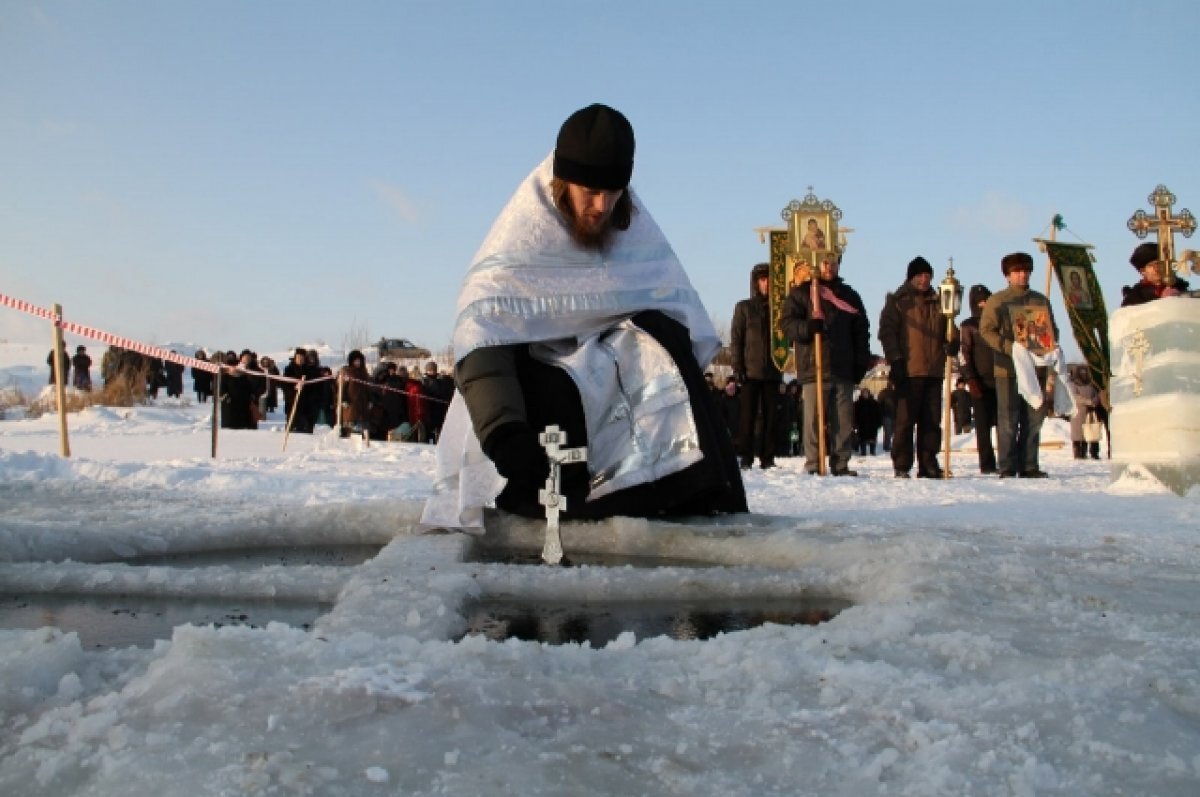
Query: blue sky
{"points": [[262, 174]]}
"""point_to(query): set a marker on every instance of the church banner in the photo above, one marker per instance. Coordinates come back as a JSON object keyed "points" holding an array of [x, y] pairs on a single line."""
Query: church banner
{"points": [[784, 275], [1085, 305]]}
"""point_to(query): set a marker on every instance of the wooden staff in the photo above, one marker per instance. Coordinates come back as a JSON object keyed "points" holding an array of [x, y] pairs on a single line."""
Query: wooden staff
{"points": [[60, 385], [292, 415], [946, 394], [338, 412], [818, 341], [216, 397]]}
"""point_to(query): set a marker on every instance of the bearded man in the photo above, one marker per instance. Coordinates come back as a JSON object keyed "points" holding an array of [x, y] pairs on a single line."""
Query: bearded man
{"points": [[576, 313]]}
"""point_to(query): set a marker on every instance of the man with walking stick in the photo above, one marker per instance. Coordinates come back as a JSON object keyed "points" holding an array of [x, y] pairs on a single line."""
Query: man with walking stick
{"points": [[826, 319]]}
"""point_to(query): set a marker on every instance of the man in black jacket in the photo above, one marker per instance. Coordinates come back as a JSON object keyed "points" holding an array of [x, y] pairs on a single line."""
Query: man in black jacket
{"points": [[831, 308], [981, 382], [750, 350]]}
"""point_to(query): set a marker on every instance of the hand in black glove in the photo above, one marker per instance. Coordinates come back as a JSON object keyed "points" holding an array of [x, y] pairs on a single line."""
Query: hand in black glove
{"points": [[816, 326], [899, 375], [951, 348], [518, 455]]}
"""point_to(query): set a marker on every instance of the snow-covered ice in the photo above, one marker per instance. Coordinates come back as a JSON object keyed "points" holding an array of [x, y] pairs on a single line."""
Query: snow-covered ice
{"points": [[1004, 638]]}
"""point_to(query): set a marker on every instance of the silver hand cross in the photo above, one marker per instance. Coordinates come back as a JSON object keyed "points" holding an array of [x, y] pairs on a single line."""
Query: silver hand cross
{"points": [[553, 439]]}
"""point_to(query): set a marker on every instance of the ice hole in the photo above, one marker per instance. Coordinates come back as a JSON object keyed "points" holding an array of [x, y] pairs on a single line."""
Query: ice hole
{"points": [[118, 621], [253, 558], [598, 623], [482, 554]]}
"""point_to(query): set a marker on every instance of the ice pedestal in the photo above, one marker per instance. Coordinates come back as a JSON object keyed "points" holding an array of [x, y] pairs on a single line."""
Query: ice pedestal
{"points": [[1155, 391]]}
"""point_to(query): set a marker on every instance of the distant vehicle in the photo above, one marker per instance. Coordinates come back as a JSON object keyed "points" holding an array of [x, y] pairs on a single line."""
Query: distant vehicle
{"points": [[400, 349]]}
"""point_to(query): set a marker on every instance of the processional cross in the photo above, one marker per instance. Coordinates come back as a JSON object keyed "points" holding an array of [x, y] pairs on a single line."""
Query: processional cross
{"points": [[553, 439], [1164, 226]]}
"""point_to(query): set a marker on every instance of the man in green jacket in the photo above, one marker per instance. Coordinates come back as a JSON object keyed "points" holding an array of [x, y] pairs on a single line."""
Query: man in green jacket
{"points": [[1018, 424]]}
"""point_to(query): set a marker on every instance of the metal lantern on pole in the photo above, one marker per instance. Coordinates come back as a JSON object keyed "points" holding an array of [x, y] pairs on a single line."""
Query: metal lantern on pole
{"points": [[950, 295]]}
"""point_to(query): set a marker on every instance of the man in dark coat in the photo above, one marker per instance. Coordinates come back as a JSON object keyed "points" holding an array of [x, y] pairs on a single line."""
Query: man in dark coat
{"points": [[960, 404], [754, 368], [1152, 285], [82, 364], [867, 418], [981, 382], [912, 330], [437, 392], [829, 307], [202, 380], [578, 314], [64, 360], [305, 412], [174, 377]]}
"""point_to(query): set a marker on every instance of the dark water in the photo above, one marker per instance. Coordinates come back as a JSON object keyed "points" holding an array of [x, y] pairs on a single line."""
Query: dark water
{"points": [[119, 622], [253, 558], [508, 556], [601, 622]]}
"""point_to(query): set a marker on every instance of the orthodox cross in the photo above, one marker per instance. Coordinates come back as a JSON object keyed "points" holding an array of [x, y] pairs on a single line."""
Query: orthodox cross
{"points": [[1164, 226], [1139, 347], [553, 440]]}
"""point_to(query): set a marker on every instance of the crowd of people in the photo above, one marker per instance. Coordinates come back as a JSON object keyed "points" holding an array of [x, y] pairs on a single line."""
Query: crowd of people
{"points": [[1005, 385], [388, 403]]}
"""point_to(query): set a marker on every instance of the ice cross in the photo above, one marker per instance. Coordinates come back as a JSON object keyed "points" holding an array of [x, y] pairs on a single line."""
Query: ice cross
{"points": [[553, 440], [1139, 347]]}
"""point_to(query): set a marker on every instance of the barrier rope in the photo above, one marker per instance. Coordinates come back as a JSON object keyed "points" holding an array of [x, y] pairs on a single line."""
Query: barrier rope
{"points": [[180, 359]]}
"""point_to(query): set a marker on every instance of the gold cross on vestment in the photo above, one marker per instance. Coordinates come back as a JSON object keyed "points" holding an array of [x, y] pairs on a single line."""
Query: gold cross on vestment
{"points": [[1164, 226]]}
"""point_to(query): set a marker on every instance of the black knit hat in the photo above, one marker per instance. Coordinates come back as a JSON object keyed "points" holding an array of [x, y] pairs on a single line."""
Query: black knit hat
{"points": [[1020, 261], [595, 149], [918, 265], [979, 293], [1144, 255], [760, 270]]}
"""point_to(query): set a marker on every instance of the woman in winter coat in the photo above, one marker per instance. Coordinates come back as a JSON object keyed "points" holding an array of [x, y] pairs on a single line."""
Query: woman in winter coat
{"points": [[1087, 403], [356, 393]]}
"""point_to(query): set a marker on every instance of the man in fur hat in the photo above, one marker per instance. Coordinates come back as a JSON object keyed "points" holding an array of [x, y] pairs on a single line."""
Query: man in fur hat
{"points": [[1018, 423], [1153, 284], [576, 313]]}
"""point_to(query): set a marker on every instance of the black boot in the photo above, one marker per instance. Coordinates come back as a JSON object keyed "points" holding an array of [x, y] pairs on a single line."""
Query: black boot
{"points": [[1094, 449], [1080, 449]]}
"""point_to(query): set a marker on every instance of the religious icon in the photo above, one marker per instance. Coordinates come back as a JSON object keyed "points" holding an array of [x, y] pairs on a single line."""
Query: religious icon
{"points": [[1032, 328], [816, 233], [1078, 295]]}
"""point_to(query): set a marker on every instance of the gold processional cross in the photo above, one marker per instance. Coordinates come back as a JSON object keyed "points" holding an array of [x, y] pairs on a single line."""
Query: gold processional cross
{"points": [[1164, 226]]}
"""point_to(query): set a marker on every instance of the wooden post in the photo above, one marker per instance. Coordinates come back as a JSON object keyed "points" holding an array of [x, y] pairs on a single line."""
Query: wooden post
{"points": [[292, 415], [338, 412], [216, 416], [60, 384], [818, 339], [818, 350], [946, 398]]}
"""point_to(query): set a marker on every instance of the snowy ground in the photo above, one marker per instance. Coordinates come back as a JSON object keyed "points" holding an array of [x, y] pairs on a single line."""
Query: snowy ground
{"points": [[1004, 638]]}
